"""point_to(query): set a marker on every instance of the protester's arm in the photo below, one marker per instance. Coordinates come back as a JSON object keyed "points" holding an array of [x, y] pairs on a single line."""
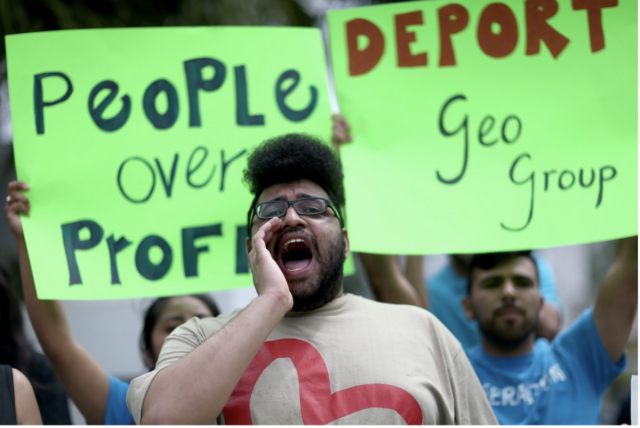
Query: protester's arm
{"points": [[549, 321], [617, 302], [414, 272], [195, 389], [83, 379], [388, 281], [27, 412]]}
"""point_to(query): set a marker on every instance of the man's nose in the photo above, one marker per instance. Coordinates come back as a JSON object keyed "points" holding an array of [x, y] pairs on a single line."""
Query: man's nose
{"points": [[508, 291], [292, 218]]}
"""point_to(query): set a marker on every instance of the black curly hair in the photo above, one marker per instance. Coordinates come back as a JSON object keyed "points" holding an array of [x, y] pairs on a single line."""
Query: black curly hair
{"points": [[293, 157]]}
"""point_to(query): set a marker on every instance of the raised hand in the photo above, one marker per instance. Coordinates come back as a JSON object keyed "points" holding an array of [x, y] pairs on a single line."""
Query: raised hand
{"points": [[340, 133], [616, 306], [267, 276], [17, 203], [628, 248]]}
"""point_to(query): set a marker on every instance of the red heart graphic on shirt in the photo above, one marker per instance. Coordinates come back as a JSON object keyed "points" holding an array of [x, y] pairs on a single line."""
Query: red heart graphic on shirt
{"points": [[318, 405]]}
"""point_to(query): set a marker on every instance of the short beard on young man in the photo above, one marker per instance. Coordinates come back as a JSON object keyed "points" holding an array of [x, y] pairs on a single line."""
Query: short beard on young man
{"points": [[499, 339]]}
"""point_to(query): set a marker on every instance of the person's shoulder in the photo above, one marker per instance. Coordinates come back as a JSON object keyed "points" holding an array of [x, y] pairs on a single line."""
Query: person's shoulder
{"points": [[19, 379], [381, 307], [21, 384], [474, 352], [583, 324], [418, 318], [27, 412], [582, 331], [205, 327]]}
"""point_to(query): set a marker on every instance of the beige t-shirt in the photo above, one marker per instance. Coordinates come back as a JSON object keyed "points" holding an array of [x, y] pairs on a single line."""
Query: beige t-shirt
{"points": [[353, 361]]}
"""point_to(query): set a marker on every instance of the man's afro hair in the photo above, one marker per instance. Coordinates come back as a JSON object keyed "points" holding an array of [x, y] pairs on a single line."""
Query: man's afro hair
{"points": [[293, 157]]}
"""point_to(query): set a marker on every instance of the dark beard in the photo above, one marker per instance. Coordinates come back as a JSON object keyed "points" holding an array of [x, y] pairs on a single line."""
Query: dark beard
{"points": [[498, 339], [504, 343], [328, 284]]}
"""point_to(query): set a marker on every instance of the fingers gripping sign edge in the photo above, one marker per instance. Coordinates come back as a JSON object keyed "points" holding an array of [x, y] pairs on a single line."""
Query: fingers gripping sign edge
{"points": [[16, 199], [17, 203]]}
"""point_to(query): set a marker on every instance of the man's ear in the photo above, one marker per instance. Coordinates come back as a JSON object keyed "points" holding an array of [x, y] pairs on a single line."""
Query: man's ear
{"points": [[148, 359], [466, 306], [345, 236], [247, 245]]}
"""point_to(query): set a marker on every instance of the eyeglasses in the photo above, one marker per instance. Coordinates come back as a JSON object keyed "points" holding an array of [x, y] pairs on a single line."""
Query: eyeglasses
{"points": [[303, 206]]}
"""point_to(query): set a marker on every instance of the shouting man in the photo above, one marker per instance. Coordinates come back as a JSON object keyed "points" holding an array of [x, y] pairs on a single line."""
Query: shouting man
{"points": [[303, 352], [535, 382]]}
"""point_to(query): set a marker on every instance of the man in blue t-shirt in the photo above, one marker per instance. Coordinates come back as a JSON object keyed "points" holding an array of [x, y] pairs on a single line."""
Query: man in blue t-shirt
{"points": [[529, 381], [448, 287]]}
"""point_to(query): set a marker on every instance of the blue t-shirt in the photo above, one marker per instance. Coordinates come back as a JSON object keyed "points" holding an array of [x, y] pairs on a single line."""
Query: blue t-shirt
{"points": [[117, 412], [447, 289], [558, 383]]}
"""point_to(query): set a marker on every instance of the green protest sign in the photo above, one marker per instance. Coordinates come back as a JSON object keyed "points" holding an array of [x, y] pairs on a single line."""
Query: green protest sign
{"points": [[483, 126], [134, 140]]}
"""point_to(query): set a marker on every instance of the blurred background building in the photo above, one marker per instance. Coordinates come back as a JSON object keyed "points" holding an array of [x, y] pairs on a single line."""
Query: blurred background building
{"points": [[98, 325]]}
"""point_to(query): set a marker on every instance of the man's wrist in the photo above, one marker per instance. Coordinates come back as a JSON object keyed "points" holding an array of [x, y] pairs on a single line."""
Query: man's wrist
{"points": [[280, 302]]}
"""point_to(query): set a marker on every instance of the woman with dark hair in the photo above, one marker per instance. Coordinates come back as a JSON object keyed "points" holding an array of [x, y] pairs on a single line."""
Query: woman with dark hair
{"points": [[17, 352], [100, 397]]}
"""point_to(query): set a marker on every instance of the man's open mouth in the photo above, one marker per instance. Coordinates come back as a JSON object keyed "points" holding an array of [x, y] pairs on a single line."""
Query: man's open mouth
{"points": [[296, 254]]}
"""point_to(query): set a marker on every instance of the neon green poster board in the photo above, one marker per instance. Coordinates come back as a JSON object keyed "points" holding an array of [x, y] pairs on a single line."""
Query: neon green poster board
{"points": [[482, 126], [134, 141]]}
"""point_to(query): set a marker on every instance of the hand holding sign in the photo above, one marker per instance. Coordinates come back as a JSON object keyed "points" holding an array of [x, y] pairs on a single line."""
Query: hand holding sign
{"points": [[17, 203], [341, 134]]}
